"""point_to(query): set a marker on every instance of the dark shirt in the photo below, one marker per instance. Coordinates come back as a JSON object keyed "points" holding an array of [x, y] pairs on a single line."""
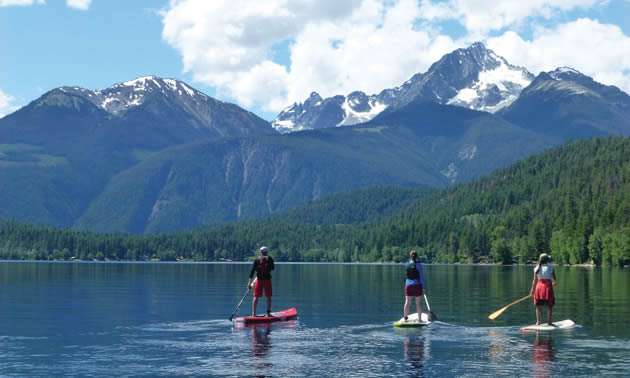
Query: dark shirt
{"points": [[262, 275]]}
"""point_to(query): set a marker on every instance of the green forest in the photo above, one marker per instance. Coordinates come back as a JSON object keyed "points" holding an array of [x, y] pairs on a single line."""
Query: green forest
{"points": [[571, 201]]}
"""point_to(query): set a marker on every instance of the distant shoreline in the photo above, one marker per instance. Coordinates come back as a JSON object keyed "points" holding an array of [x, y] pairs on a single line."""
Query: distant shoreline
{"points": [[277, 262]]}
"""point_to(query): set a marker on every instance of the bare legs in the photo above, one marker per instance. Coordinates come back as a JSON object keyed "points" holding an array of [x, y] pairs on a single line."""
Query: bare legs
{"points": [[539, 313], [408, 304], [255, 303]]}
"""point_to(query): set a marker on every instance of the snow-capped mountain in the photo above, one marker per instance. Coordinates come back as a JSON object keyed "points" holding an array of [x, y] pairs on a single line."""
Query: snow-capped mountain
{"points": [[124, 96], [474, 78], [565, 103], [169, 101]]}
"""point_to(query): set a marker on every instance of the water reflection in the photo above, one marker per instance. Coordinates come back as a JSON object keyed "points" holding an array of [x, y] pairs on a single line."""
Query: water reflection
{"points": [[261, 342], [415, 353], [543, 354], [497, 346]]}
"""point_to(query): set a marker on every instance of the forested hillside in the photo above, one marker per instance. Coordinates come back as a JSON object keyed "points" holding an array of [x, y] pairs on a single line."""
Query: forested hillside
{"points": [[572, 201]]}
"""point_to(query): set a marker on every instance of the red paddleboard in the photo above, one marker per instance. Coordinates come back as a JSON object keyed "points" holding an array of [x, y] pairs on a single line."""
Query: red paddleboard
{"points": [[275, 316]]}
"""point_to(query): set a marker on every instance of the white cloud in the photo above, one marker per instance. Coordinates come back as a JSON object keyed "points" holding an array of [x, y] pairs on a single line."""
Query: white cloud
{"points": [[595, 49], [480, 17], [5, 104], [79, 4], [335, 47], [8, 3]]}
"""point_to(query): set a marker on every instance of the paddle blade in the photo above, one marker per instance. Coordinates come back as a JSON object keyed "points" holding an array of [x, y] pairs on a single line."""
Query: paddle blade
{"points": [[432, 316], [496, 314]]}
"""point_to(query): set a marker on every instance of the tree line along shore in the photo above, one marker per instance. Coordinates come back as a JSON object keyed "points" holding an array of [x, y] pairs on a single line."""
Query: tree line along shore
{"points": [[571, 201]]}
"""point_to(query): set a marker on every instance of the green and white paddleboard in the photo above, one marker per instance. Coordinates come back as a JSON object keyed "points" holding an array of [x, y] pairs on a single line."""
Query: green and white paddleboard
{"points": [[412, 321], [564, 324]]}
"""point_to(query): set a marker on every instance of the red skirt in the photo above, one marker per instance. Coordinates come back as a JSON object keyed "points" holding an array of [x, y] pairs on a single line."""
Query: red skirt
{"points": [[543, 294], [413, 290]]}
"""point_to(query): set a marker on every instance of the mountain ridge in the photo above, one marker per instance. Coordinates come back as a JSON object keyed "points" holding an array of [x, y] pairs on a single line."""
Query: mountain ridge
{"points": [[473, 77]]}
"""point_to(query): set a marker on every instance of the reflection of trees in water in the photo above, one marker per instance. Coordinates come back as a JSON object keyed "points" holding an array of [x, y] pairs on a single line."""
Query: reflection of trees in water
{"points": [[415, 355], [543, 354]]}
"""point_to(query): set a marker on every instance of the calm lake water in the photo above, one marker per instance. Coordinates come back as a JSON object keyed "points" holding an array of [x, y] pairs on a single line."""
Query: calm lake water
{"points": [[172, 319]]}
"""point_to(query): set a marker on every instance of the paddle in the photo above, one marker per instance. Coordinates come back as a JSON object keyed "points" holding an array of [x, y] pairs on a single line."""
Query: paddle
{"points": [[495, 314], [432, 316], [239, 303]]}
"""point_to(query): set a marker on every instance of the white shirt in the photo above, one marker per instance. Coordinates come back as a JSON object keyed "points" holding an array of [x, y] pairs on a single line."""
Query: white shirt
{"points": [[545, 272]]}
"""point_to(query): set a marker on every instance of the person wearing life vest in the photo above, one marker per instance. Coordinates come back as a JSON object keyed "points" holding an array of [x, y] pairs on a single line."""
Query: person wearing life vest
{"points": [[414, 284], [263, 265], [542, 287]]}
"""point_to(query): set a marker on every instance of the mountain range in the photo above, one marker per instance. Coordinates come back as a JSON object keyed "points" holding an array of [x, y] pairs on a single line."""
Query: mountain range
{"points": [[153, 155], [474, 78]]}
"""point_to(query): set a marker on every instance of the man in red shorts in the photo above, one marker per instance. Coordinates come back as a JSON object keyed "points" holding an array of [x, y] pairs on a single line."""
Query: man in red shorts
{"points": [[263, 265]]}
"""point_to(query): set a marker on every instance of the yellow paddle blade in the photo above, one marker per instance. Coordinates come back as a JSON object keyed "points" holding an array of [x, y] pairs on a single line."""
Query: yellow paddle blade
{"points": [[495, 314]]}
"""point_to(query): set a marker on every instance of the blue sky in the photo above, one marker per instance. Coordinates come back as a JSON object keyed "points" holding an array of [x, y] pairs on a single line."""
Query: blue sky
{"points": [[265, 55]]}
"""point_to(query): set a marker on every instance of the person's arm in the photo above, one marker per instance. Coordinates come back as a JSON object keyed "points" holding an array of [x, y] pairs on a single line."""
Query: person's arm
{"points": [[251, 274], [273, 265], [554, 277], [424, 287], [534, 281]]}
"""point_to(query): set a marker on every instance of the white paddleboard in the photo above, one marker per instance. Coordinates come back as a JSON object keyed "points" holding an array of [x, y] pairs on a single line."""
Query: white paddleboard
{"points": [[412, 321], [564, 324]]}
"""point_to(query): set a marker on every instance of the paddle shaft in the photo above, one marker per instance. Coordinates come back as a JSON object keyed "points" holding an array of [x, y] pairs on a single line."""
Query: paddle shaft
{"points": [[431, 314], [495, 314], [239, 303], [425, 299]]}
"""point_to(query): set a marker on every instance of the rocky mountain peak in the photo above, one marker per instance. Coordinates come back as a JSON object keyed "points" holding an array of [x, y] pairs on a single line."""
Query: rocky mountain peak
{"points": [[473, 77]]}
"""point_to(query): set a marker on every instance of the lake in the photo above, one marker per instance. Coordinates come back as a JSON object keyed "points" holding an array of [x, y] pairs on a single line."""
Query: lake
{"points": [[172, 319]]}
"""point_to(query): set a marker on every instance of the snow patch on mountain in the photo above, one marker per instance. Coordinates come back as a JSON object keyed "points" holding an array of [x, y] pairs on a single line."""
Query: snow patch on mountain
{"points": [[126, 95], [353, 117], [494, 89], [561, 72], [564, 87]]}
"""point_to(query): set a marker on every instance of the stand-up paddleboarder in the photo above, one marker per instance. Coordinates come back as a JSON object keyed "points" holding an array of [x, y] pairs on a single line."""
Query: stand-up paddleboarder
{"points": [[262, 266]]}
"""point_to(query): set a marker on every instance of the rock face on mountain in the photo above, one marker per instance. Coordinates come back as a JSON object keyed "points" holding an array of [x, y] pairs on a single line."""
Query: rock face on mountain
{"points": [[564, 103], [474, 78], [219, 180]]}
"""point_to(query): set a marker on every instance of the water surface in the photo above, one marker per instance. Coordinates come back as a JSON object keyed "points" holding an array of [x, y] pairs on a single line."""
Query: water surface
{"points": [[172, 319]]}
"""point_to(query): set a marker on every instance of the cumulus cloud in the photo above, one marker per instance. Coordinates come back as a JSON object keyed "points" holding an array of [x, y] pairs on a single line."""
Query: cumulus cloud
{"points": [[76, 4], [79, 4], [8, 3], [595, 49], [480, 17], [5, 104], [335, 47]]}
